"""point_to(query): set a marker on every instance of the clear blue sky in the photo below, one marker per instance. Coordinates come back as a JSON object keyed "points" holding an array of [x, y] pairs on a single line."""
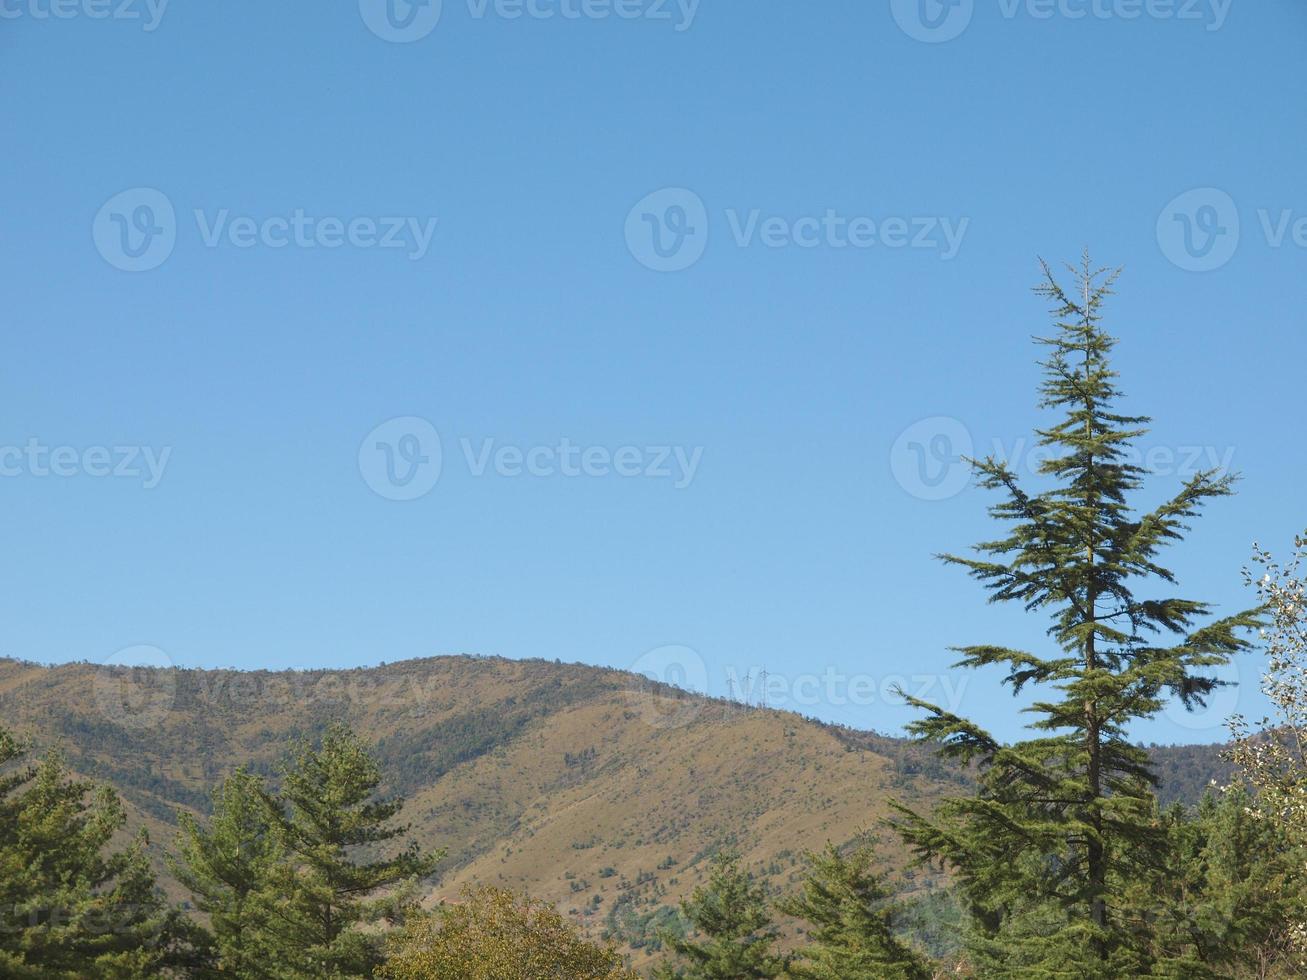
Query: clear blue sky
{"points": [[531, 316]]}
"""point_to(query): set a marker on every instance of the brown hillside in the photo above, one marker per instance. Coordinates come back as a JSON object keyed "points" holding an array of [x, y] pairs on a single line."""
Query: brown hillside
{"points": [[582, 785]]}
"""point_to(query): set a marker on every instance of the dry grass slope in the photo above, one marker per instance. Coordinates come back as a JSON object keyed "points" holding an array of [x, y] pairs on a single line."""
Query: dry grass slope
{"points": [[578, 784]]}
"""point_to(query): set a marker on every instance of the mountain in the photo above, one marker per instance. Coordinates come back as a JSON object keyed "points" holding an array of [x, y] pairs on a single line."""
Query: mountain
{"points": [[590, 787]]}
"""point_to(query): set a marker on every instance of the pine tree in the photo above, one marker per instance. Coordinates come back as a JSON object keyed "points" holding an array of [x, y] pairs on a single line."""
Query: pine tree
{"points": [[70, 905], [1063, 822], [732, 917], [228, 867], [330, 823], [851, 921]]}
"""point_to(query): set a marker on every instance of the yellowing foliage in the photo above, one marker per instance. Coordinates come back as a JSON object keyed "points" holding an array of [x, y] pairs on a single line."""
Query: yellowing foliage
{"points": [[493, 934]]}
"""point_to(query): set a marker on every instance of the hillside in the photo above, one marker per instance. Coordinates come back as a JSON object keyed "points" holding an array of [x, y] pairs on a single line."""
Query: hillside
{"points": [[586, 786]]}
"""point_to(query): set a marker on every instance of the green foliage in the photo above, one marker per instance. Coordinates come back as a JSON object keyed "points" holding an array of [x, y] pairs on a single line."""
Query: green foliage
{"points": [[1063, 824], [1186, 773], [70, 905], [644, 930], [735, 932], [330, 823], [850, 923], [227, 866], [294, 880], [934, 921], [1232, 891]]}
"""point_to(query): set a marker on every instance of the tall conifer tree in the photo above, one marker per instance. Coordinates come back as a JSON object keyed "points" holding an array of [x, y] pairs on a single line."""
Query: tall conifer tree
{"points": [[736, 935], [228, 865], [72, 905], [336, 886], [1064, 822], [850, 921]]}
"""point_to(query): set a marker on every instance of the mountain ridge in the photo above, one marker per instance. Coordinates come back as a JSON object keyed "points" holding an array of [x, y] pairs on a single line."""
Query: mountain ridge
{"points": [[587, 786]]}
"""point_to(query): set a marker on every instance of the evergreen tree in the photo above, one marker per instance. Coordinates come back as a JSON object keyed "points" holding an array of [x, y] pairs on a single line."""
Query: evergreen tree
{"points": [[1063, 822], [851, 922], [70, 905], [1232, 892], [228, 866], [734, 924], [325, 907]]}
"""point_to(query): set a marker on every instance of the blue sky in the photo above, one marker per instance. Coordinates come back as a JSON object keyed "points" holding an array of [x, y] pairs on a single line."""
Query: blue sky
{"points": [[849, 209]]}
